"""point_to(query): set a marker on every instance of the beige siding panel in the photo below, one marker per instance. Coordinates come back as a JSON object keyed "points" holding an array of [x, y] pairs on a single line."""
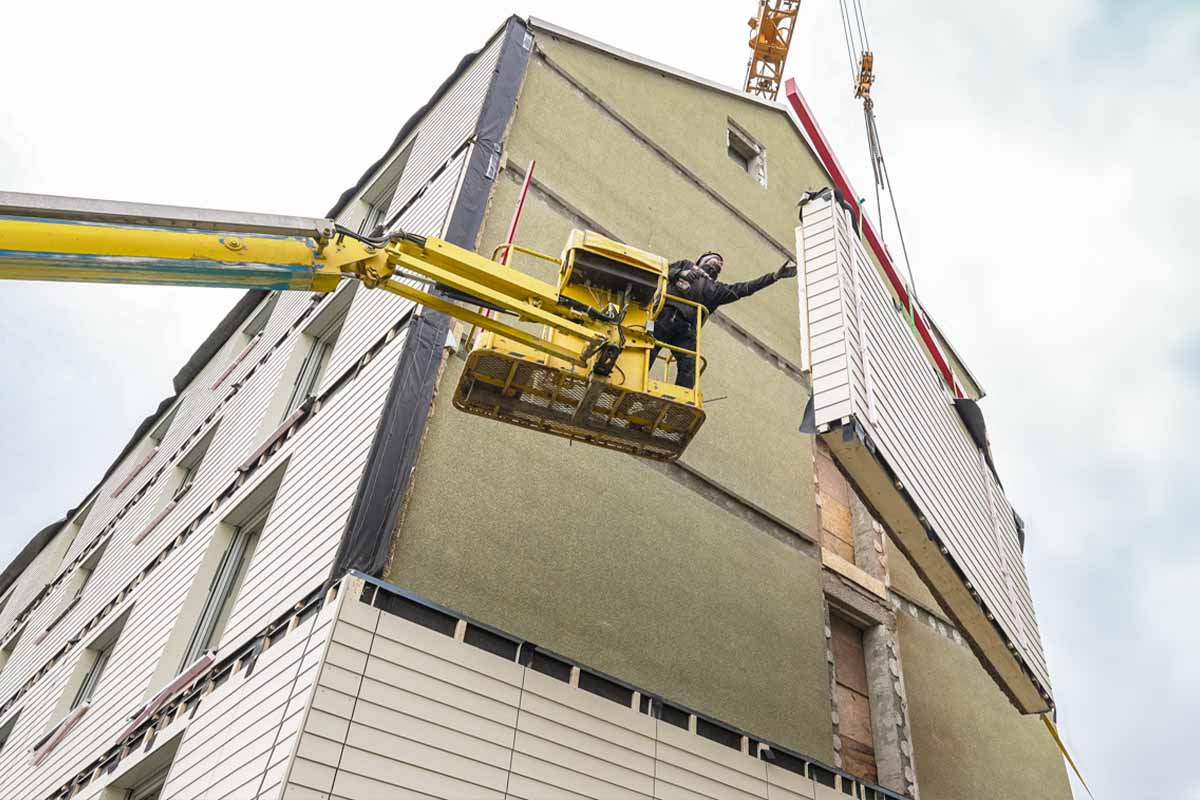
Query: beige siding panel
{"points": [[370, 717], [694, 764], [295, 791], [230, 742], [349, 786], [785, 785], [436, 717], [402, 751]]}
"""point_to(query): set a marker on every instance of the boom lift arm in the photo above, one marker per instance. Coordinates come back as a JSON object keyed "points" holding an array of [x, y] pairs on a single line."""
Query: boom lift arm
{"points": [[584, 376]]}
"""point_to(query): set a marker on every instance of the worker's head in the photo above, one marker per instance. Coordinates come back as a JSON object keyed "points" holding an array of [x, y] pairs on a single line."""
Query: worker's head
{"points": [[711, 262]]}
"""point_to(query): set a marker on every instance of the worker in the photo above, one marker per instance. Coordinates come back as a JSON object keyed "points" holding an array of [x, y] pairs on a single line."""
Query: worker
{"points": [[697, 281]]}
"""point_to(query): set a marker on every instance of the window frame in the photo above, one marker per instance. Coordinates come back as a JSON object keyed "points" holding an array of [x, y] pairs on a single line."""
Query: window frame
{"points": [[746, 151], [95, 673], [188, 467], [7, 727], [381, 194], [316, 360], [225, 588]]}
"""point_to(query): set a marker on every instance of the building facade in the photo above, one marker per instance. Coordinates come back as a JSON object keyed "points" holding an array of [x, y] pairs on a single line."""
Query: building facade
{"points": [[309, 576]]}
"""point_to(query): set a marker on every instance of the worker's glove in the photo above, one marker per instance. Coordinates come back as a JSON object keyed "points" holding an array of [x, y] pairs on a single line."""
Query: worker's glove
{"points": [[788, 270]]}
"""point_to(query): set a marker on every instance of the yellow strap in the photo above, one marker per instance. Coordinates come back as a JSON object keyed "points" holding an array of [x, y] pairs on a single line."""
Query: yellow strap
{"points": [[1058, 740]]}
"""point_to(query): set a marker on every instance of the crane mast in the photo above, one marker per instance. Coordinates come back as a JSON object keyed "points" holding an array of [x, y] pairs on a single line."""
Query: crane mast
{"points": [[770, 39]]}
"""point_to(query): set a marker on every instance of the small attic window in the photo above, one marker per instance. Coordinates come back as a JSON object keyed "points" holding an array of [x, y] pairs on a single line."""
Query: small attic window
{"points": [[746, 152]]}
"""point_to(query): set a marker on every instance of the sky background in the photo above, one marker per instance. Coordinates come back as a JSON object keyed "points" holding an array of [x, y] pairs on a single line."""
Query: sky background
{"points": [[1044, 161]]}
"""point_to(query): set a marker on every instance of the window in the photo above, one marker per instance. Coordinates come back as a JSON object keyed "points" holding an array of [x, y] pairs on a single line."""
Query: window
{"points": [[163, 427], [10, 647], [308, 379], [188, 467], [6, 729], [91, 679], [146, 778], [746, 153], [224, 588], [88, 675], [852, 698], [149, 789], [379, 196], [242, 343], [73, 590], [74, 527]]}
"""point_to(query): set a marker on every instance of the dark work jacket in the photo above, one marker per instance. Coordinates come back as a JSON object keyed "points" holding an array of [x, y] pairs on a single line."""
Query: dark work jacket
{"points": [[692, 283]]}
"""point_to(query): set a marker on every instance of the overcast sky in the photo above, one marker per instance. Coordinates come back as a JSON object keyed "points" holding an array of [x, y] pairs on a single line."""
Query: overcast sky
{"points": [[1044, 165]]}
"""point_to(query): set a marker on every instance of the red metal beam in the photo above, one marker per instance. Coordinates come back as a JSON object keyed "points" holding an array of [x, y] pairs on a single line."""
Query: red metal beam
{"points": [[809, 122]]}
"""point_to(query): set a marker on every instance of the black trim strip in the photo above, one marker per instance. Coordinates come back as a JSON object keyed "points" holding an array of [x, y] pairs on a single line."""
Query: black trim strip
{"points": [[379, 504]]}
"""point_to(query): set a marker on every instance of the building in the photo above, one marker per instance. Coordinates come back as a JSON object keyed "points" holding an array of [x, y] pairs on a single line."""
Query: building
{"points": [[308, 576]]}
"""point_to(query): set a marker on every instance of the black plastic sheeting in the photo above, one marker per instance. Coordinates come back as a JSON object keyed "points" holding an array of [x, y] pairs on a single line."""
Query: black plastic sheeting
{"points": [[380, 501]]}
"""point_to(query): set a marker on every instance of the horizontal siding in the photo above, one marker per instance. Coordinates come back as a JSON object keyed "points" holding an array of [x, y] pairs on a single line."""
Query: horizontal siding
{"points": [[245, 725], [402, 711], [324, 460], [867, 363]]}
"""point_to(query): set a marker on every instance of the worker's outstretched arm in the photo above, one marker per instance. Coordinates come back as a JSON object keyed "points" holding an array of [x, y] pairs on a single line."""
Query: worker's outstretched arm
{"points": [[724, 293]]}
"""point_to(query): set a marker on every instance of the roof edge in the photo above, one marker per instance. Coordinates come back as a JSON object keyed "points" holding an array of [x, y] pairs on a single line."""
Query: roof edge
{"points": [[407, 128], [536, 23]]}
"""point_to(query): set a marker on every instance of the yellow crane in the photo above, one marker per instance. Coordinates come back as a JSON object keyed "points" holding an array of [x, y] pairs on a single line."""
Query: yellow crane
{"points": [[770, 39], [585, 376]]}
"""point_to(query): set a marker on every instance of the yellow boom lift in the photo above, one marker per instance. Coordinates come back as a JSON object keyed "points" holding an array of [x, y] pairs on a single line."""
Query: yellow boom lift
{"points": [[580, 369]]}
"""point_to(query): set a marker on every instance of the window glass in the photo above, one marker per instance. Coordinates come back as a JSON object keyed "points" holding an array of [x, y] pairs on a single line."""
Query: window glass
{"points": [[6, 729], [87, 689], [223, 591], [308, 380]]}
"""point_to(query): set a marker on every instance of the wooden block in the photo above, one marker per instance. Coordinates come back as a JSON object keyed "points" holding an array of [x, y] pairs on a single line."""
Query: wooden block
{"points": [[836, 518], [831, 482], [854, 714], [843, 549], [848, 658], [859, 760], [848, 570]]}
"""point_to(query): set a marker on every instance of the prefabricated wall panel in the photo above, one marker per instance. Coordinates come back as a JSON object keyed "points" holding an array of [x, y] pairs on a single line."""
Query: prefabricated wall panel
{"points": [[400, 709], [893, 428]]}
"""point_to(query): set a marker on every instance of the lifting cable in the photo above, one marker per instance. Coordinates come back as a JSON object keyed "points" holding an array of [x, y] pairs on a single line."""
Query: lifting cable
{"points": [[862, 74], [854, 29]]}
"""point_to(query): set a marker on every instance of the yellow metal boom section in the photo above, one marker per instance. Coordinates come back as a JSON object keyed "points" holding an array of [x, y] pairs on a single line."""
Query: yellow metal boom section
{"points": [[573, 360]]}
